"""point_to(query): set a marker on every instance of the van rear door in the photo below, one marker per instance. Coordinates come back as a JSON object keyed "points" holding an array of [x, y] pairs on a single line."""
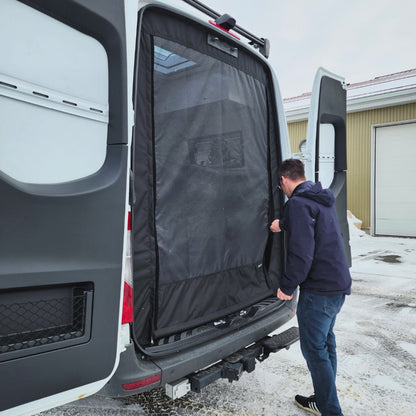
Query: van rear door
{"points": [[63, 164], [326, 143]]}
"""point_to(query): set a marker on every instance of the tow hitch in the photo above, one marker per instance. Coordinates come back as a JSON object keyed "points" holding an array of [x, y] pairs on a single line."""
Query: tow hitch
{"points": [[233, 366]]}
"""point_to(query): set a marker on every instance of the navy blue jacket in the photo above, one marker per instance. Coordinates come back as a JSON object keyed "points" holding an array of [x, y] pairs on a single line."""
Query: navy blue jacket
{"points": [[315, 257]]}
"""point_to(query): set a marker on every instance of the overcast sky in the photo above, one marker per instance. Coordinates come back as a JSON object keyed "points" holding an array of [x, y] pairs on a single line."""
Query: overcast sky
{"points": [[358, 39]]}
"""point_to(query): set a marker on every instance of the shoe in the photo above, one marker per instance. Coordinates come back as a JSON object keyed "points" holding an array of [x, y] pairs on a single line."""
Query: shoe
{"points": [[308, 404]]}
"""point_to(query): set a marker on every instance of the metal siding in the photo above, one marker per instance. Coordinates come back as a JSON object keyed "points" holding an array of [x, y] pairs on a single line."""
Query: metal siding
{"points": [[359, 129], [297, 133], [359, 164]]}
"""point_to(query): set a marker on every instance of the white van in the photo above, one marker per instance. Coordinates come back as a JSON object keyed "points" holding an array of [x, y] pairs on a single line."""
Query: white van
{"points": [[139, 149]]}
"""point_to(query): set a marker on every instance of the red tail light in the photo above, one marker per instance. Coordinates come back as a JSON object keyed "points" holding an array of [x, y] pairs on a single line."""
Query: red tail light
{"points": [[141, 383], [129, 222], [127, 315]]}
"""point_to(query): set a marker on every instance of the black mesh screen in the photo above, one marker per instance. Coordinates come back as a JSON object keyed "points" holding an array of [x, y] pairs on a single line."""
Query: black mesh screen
{"points": [[211, 182], [39, 318], [202, 178]]}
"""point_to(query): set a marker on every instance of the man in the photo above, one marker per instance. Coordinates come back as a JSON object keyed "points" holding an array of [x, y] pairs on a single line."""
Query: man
{"points": [[316, 262]]}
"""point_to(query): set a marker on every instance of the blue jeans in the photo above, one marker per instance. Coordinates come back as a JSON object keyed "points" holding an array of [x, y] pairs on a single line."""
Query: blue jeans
{"points": [[316, 318]]}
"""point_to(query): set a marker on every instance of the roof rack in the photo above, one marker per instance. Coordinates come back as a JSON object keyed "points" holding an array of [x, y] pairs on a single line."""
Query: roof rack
{"points": [[262, 44]]}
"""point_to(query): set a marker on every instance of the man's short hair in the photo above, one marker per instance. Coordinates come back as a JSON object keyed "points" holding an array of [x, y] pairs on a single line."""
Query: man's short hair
{"points": [[293, 169]]}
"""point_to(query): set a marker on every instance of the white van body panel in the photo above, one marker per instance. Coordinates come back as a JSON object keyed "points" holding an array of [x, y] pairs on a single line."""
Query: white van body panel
{"points": [[58, 102]]}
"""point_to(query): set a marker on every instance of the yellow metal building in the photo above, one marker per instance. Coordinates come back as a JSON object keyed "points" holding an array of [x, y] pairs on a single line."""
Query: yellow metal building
{"points": [[381, 150]]}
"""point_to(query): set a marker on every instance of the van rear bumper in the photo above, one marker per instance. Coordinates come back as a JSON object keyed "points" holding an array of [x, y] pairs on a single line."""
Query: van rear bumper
{"points": [[135, 367]]}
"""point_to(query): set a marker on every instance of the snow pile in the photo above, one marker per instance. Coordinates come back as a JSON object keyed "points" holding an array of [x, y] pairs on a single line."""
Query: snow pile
{"points": [[354, 224]]}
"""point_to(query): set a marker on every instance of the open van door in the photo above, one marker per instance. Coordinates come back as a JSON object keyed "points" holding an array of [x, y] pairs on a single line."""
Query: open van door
{"points": [[326, 144], [63, 164]]}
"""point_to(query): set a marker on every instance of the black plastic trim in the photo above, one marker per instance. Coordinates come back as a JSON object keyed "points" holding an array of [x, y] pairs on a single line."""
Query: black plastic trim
{"points": [[137, 366], [211, 331], [332, 110]]}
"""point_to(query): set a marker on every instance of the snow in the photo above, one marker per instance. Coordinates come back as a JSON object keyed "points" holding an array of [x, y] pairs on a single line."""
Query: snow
{"points": [[376, 338], [376, 332]]}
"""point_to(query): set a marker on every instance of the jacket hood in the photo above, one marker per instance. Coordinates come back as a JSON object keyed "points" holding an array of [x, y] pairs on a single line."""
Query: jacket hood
{"points": [[314, 191]]}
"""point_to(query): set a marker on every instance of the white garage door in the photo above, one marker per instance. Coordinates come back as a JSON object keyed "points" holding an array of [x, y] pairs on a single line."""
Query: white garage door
{"points": [[395, 180]]}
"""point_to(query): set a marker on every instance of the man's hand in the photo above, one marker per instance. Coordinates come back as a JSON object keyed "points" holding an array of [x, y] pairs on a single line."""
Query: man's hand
{"points": [[275, 227], [282, 296]]}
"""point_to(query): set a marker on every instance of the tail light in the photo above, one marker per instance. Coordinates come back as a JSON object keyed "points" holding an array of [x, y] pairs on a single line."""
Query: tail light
{"points": [[127, 314], [142, 383]]}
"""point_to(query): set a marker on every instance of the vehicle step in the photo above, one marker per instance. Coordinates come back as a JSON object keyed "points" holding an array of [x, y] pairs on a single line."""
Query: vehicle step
{"points": [[282, 340], [244, 360]]}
